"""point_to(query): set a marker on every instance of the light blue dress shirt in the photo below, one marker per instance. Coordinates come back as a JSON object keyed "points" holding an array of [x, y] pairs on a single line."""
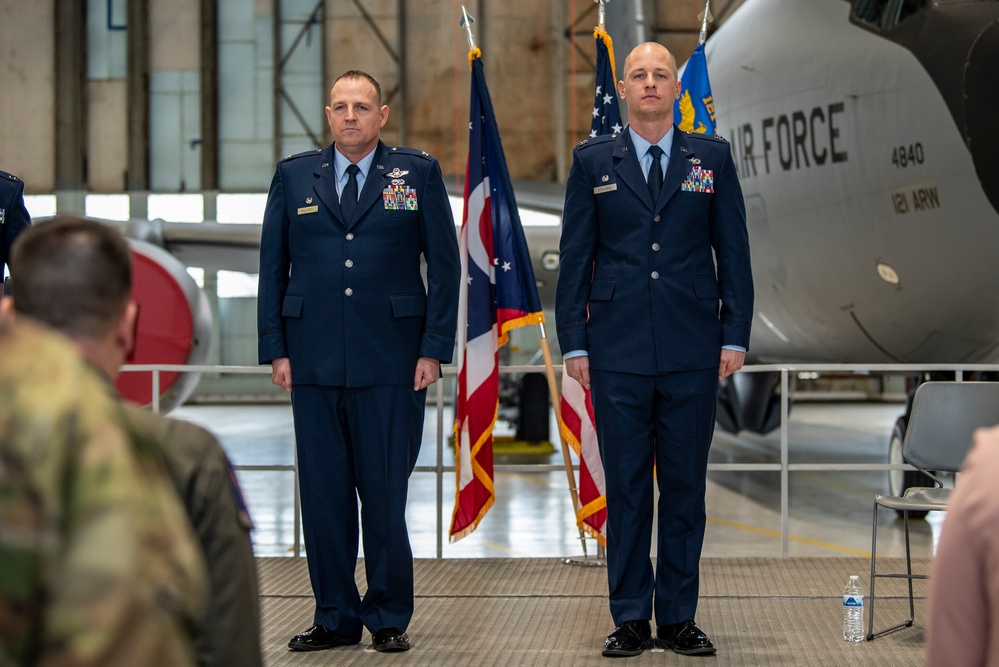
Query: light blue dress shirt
{"points": [[340, 168]]}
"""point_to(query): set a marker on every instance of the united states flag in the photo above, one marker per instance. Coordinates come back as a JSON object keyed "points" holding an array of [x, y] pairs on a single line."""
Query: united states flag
{"points": [[498, 293], [606, 113]]}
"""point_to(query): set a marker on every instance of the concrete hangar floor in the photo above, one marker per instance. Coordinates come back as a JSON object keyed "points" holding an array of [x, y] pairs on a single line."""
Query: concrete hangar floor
{"points": [[530, 608]]}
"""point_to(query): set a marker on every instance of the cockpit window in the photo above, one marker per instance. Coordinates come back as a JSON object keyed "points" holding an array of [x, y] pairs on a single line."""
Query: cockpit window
{"points": [[907, 8], [871, 12]]}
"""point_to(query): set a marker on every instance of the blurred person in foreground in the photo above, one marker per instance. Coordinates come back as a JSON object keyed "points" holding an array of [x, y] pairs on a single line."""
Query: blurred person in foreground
{"points": [[74, 275], [963, 624], [98, 563]]}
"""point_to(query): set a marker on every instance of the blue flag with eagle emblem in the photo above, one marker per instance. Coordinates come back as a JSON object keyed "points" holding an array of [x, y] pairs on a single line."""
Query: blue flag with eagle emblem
{"points": [[695, 110]]}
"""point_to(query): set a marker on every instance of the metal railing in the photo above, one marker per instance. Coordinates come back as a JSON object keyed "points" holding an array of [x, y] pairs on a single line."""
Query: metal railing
{"points": [[784, 466]]}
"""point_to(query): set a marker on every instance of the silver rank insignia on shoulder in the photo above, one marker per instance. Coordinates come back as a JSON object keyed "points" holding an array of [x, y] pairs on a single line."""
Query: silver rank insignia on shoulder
{"points": [[308, 200], [605, 178], [694, 160], [397, 173]]}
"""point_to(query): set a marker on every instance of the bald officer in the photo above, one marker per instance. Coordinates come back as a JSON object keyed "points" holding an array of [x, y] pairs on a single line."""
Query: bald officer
{"points": [[349, 327], [653, 307], [13, 216]]}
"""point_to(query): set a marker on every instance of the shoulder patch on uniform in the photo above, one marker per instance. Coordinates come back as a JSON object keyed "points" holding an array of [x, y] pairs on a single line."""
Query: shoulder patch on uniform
{"points": [[406, 150], [315, 151]]}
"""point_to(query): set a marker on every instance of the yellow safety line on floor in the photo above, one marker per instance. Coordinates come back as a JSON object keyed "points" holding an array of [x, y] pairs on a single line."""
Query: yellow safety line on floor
{"points": [[792, 538]]}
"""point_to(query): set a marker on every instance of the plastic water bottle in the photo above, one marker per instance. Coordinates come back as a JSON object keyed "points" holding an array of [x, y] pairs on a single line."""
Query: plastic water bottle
{"points": [[853, 611]]}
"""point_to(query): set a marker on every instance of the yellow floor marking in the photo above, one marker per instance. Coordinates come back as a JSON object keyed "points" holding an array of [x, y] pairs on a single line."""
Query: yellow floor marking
{"points": [[792, 538]]}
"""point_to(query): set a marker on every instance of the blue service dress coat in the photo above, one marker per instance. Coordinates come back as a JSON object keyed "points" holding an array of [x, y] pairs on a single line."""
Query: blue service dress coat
{"points": [[653, 287], [14, 217], [345, 299]]}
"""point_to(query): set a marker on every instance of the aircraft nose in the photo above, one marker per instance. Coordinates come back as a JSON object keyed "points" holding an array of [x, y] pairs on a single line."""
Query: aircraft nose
{"points": [[982, 109]]}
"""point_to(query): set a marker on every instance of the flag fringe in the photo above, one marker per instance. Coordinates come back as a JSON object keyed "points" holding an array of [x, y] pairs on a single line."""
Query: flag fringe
{"points": [[602, 35], [509, 325], [473, 54], [477, 472]]}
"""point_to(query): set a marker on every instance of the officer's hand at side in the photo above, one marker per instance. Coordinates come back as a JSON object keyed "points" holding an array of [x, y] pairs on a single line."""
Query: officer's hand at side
{"points": [[578, 368], [427, 372], [281, 373], [731, 361]]}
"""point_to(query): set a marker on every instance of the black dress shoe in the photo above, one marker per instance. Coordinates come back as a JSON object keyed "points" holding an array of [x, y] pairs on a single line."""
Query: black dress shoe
{"points": [[684, 638], [628, 639], [390, 640], [318, 638]]}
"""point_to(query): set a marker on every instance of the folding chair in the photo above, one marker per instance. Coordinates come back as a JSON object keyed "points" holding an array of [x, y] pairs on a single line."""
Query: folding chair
{"points": [[944, 417]]}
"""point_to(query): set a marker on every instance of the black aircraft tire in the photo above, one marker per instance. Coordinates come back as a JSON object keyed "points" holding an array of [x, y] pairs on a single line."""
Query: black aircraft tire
{"points": [[900, 480]]}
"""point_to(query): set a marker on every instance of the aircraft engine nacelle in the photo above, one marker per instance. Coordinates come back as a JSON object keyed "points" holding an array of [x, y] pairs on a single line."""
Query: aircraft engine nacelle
{"points": [[174, 327]]}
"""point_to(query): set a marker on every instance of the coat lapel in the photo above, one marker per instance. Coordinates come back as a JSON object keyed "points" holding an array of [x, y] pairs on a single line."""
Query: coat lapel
{"points": [[374, 182], [629, 171], [325, 185]]}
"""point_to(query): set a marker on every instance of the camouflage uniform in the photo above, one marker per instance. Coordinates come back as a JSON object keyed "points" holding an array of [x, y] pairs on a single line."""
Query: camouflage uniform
{"points": [[98, 563], [207, 486]]}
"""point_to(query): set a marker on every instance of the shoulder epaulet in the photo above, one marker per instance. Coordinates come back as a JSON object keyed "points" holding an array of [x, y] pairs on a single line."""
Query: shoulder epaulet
{"points": [[706, 137], [8, 177], [302, 154], [596, 141], [406, 150]]}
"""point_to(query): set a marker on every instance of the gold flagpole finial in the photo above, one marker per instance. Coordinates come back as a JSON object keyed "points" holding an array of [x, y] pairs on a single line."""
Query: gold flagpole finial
{"points": [[602, 13]]}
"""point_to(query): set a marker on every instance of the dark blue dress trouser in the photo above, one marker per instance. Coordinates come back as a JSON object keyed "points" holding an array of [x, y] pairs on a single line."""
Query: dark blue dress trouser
{"points": [[358, 444], [665, 420]]}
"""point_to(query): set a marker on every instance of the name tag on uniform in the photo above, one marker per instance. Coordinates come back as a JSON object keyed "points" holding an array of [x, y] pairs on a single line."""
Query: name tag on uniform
{"points": [[600, 189], [308, 209]]}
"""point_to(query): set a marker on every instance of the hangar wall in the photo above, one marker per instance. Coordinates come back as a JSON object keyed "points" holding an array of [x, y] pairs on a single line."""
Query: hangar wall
{"points": [[183, 95]]}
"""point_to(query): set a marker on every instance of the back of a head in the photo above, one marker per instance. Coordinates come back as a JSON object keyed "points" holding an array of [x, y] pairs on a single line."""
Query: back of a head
{"points": [[73, 274]]}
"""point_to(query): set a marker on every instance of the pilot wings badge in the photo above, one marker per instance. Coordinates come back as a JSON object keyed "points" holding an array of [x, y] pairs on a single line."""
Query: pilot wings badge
{"points": [[397, 173]]}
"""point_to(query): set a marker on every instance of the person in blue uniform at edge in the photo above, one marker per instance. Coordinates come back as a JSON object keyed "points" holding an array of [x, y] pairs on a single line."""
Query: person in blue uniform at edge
{"points": [[349, 327], [14, 217], [653, 308]]}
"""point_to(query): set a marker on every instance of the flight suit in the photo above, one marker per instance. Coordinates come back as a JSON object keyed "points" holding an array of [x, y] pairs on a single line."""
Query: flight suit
{"points": [[208, 488]]}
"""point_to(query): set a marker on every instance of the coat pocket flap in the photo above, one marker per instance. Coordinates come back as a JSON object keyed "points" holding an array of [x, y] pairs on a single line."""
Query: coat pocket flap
{"points": [[292, 306], [601, 290], [409, 305]]}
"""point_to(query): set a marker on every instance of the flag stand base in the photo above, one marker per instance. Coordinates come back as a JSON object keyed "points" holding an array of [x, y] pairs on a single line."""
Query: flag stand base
{"points": [[584, 561]]}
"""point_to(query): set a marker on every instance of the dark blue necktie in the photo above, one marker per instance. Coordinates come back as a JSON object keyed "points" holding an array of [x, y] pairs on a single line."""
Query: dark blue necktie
{"points": [[348, 198], [655, 172]]}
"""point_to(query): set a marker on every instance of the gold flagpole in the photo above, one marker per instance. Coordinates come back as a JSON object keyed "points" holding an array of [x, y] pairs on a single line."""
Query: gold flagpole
{"points": [[556, 403]]}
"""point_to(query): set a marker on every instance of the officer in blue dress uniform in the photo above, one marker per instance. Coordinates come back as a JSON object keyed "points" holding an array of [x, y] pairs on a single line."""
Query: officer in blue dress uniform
{"points": [[653, 307], [14, 217], [350, 328]]}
